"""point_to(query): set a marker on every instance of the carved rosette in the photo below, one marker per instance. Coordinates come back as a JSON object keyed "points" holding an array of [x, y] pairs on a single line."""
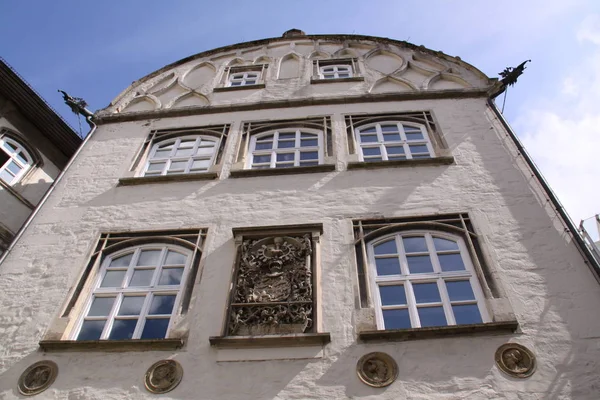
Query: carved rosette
{"points": [[37, 378], [273, 291], [163, 376], [377, 369], [515, 360]]}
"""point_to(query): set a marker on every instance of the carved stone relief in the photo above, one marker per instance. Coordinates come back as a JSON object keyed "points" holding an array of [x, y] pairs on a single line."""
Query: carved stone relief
{"points": [[37, 378], [273, 290], [515, 360], [163, 376], [377, 369]]}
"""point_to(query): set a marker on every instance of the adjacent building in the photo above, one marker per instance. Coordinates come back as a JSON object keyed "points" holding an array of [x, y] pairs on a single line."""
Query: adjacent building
{"points": [[35, 145], [303, 217]]}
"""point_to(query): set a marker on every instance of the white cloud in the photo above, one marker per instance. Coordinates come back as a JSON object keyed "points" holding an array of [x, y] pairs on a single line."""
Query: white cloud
{"points": [[562, 133]]}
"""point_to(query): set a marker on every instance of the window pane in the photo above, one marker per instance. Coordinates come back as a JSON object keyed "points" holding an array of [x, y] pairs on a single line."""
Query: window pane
{"points": [[391, 150], [414, 244], [309, 143], [262, 159], [178, 165], [343, 75], [308, 163], [418, 148], [236, 83], [284, 165], [287, 135], [388, 137], [122, 329], [392, 295], [419, 264], [467, 314], [371, 151], [200, 164], [387, 266], [285, 157], [156, 166], [396, 319], [432, 316], [11, 148], [388, 247], [460, 290], [187, 144], [368, 138], [91, 330], [149, 257], [205, 151], [286, 144], [14, 168], [389, 128], [101, 306], [166, 146], [426, 293], [369, 130], [184, 152], [444, 244], [329, 69], [175, 258], [113, 279], [122, 261], [170, 276], [264, 145], [162, 305], [309, 155], [6, 177], [306, 135], [132, 305], [141, 277], [155, 328], [162, 153], [451, 262], [250, 82], [373, 159], [414, 136], [264, 138]]}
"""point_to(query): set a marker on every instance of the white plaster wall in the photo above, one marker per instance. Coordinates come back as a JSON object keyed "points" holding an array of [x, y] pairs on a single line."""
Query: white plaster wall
{"points": [[551, 290]]}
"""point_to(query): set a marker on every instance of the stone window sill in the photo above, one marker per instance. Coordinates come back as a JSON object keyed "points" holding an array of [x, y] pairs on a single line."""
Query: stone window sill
{"points": [[111, 345], [234, 88], [241, 173], [288, 340], [402, 163], [400, 335], [322, 80], [143, 180]]}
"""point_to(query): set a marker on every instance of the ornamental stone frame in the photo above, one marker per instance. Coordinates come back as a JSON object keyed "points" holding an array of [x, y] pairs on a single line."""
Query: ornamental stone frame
{"points": [[274, 282]]}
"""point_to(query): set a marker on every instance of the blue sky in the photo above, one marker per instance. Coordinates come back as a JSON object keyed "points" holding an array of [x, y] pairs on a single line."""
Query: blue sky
{"points": [[95, 50]]}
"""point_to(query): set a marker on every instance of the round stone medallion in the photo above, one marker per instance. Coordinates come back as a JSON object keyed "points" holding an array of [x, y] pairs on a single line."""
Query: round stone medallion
{"points": [[163, 376], [37, 378], [377, 369], [515, 360]]}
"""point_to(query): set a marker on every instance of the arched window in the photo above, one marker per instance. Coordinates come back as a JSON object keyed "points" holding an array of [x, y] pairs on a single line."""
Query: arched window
{"points": [[424, 279], [181, 155], [335, 71], [136, 293], [15, 161], [393, 140], [286, 148]]}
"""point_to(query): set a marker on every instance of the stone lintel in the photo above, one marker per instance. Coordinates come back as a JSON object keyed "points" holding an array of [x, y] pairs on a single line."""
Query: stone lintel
{"points": [[288, 340], [111, 345]]}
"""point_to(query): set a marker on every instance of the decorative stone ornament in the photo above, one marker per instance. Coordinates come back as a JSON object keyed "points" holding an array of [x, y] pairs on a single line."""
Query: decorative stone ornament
{"points": [[515, 360], [163, 376], [377, 369], [37, 378], [273, 290]]}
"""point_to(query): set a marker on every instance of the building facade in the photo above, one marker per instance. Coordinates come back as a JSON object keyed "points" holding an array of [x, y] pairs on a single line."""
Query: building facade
{"points": [[304, 217], [35, 145]]}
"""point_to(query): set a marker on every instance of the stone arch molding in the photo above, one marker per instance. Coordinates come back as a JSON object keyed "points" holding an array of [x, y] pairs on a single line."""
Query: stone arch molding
{"points": [[318, 54], [345, 53], [289, 66], [142, 103], [198, 76], [392, 84], [385, 61], [445, 81]]}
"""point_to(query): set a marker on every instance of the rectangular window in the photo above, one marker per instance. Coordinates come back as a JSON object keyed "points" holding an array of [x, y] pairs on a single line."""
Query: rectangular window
{"points": [[335, 69], [249, 75], [273, 289]]}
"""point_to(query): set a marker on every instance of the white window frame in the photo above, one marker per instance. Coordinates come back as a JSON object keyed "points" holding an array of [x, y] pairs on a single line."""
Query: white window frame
{"points": [[243, 78], [381, 143], [438, 276], [337, 69], [297, 149], [199, 141], [148, 291], [13, 157]]}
